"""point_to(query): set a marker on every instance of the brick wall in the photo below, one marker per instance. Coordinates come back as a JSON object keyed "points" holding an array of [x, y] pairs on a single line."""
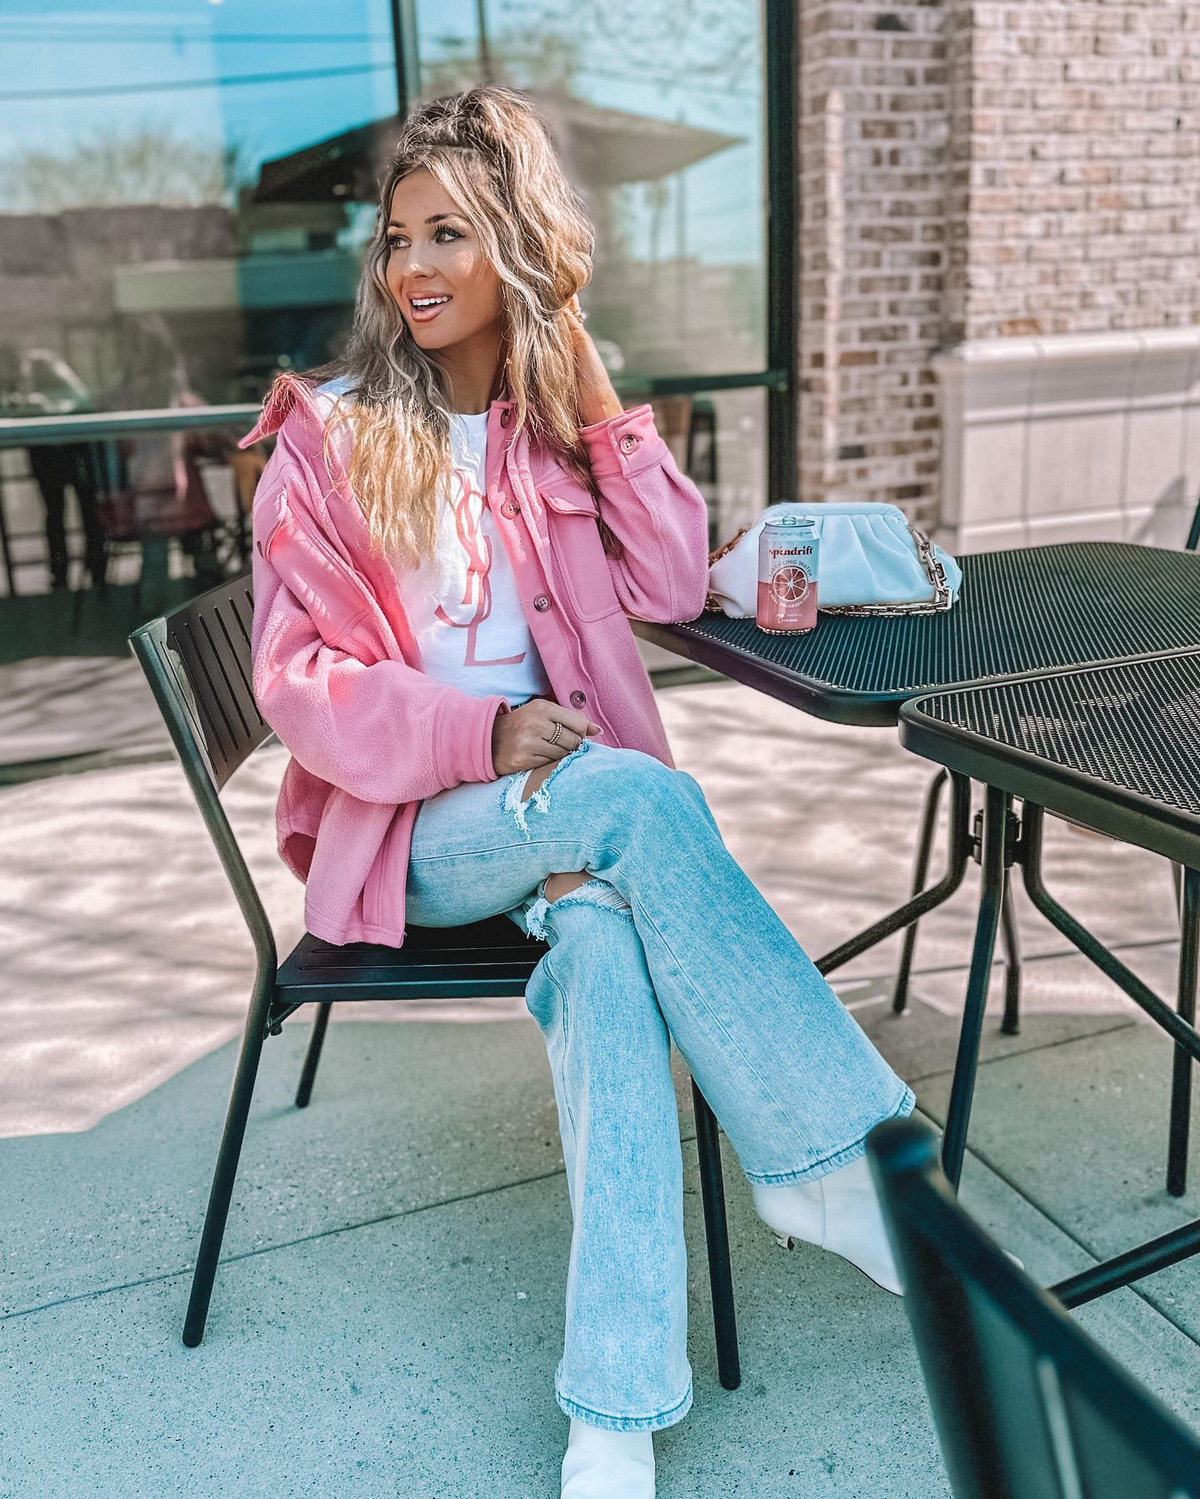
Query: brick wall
{"points": [[973, 170], [873, 122], [1075, 173]]}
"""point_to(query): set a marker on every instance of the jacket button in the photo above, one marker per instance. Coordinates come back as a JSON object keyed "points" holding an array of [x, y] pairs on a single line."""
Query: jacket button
{"points": [[541, 602], [510, 507], [629, 442], [578, 699], [505, 417]]}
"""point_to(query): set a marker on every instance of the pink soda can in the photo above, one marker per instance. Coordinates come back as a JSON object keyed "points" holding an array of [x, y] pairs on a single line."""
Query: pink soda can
{"points": [[788, 550]]}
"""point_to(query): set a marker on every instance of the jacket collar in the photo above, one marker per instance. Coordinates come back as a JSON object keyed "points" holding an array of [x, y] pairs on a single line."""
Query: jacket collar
{"points": [[289, 393]]}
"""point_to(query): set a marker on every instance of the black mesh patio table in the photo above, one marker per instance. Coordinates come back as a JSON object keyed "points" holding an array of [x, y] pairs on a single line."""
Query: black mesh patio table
{"points": [[1037, 609], [1114, 748]]}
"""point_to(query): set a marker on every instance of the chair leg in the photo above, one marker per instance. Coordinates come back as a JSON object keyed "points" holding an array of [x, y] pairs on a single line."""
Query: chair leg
{"points": [[226, 1168], [992, 865], [716, 1229], [312, 1056], [933, 797], [1181, 1079], [1011, 1023]]}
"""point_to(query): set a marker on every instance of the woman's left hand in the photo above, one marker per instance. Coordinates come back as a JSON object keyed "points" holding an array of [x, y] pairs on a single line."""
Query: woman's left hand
{"points": [[596, 397]]}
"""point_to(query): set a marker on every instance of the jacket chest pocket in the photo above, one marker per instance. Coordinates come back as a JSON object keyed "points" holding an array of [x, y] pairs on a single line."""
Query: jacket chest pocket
{"points": [[579, 556]]}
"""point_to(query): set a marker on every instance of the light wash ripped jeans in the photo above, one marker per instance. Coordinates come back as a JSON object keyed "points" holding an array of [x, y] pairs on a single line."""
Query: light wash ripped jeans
{"points": [[670, 939]]}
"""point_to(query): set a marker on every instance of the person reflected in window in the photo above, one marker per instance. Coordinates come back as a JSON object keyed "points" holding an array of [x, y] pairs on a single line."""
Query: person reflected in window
{"points": [[41, 383]]}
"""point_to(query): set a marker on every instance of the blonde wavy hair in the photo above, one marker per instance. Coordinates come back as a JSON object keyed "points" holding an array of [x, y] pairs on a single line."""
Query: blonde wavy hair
{"points": [[492, 151]]}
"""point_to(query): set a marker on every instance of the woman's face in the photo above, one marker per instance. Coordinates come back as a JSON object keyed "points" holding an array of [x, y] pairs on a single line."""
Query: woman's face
{"points": [[434, 253]]}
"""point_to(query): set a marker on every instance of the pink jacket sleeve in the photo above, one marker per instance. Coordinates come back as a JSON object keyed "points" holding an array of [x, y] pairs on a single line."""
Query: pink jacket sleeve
{"points": [[382, 731], [658, 515]]}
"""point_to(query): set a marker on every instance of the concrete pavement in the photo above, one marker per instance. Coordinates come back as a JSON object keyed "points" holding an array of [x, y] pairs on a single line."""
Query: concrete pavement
{"points": [[389, 1313]]}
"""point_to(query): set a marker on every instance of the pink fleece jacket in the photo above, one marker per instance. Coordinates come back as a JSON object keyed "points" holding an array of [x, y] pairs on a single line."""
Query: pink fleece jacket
{"points": [[337, 673]]}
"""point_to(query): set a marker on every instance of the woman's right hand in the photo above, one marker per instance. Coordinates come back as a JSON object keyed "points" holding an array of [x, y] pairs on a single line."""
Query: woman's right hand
{"points": [[521, 737]]}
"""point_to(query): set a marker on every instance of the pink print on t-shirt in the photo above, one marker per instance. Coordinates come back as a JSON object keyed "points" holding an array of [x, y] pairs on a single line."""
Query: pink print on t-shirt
{"points": [[477, 592]]}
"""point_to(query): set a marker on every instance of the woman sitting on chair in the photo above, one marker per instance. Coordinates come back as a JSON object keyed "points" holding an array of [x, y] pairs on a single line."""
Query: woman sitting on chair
{"points": [[456, 523]]}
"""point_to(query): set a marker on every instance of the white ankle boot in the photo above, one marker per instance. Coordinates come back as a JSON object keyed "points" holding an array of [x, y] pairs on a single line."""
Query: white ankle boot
{"points": [[840, 1212], [602, 1464]]}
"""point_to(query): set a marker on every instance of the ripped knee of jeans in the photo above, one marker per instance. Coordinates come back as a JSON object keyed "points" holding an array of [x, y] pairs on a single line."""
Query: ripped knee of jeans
{"points": [[510, 797], [593, 892]]}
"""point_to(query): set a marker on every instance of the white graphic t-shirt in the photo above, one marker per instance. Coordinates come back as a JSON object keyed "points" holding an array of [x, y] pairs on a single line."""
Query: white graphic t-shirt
{"points": [[462, 603]]}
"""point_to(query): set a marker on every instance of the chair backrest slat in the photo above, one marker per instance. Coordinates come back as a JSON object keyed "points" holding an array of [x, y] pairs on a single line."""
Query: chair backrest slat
{"points": [[207, 642], [217, 641], [189, 645], [236, 650], [1027, 1406]]}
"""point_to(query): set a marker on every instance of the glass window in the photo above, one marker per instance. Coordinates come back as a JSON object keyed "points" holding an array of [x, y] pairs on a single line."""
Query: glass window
{"points": [[184, 195], [718, 438], [175, 223], [658, 110]]}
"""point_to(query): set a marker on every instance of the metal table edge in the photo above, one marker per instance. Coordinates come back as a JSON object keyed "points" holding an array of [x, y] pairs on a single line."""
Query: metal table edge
{"points": [[1136, 819], [834, 704], [843, 705]]}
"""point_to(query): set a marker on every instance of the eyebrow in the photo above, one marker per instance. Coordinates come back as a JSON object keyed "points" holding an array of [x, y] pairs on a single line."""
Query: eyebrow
{"points": [[395, 223]]}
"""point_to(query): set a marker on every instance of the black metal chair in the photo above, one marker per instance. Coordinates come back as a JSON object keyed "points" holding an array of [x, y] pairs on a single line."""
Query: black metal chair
{"points": [[197, 661], [1026, 1405], [1114, 749]]}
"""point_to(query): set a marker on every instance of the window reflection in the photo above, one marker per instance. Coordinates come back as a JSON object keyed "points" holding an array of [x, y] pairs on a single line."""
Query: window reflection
{"points": [[173, 230], [185, 194], [717, 437], [657, 108], [135, 242]]}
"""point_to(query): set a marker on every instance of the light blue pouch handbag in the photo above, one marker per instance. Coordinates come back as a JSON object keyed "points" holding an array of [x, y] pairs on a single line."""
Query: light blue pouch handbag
{"points": [[872, 561]]}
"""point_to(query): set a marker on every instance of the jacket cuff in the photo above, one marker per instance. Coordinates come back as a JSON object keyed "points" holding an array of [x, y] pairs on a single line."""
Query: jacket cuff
{"points": [[464, 737], [624, 444], [502, 705]]}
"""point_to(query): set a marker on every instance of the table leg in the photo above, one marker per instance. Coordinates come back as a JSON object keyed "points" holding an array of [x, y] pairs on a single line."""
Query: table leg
{"points": [[1123, 1269], [1169, 1248], [1180, 1243], [1176, 1026], [921, 905], [1011, 1024], [933, 798], [1181, 1080], [993, 866]]}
